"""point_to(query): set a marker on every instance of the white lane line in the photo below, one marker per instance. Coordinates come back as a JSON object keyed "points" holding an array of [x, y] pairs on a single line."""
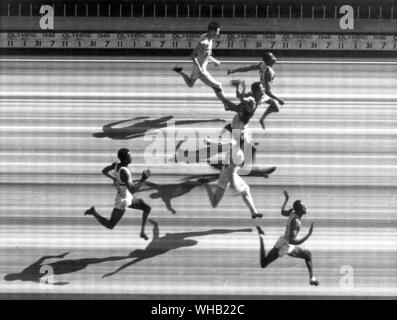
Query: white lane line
{"points": [[110, 155], [343, 118], [376, 240], [86, 102], [169, 95], [295, 130], [46, 164], [140, 287], [189, 61]]}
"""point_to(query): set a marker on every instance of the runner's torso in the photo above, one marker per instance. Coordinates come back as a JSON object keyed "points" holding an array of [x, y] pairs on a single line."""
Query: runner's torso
{"points": [[263, 69], [241, 119], [288, 229], [121, 187], [230, 169], [204, 50]]}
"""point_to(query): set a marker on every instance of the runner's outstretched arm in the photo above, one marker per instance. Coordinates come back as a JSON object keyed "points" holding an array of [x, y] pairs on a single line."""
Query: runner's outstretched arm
{"points": [[285, 212], [245, 69], [214, 61]]}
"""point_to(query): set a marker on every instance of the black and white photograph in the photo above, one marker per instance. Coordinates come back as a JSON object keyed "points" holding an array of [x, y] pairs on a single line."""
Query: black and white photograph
{"points": [[198, 150]]}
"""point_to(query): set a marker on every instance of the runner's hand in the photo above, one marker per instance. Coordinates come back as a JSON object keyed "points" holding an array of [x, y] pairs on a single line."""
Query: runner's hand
{"points": [[235, 83], [145, 175], [311, 228], [262, 122]]}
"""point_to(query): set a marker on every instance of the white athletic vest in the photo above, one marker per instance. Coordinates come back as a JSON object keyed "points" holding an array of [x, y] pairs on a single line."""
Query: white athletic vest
{"points": [[204, 50], [262, 72], [121, 188], [240, 120], [291, 217]]}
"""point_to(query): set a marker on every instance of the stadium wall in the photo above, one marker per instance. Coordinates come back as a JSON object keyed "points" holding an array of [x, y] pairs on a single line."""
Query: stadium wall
{"points": [[177, 35], [197, 25]]}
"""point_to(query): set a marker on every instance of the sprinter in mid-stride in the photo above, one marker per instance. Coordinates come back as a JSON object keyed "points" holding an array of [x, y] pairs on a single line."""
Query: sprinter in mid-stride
{"points": [[266, 77], [288, 244], [121, 176], [244, 110], [201, 56], [229, 177]]}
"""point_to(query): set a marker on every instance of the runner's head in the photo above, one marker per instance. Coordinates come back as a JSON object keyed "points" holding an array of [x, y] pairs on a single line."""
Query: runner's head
{"points": [[213, 29], [124, 155], [299, 208], [269, 58], [257, 90]]}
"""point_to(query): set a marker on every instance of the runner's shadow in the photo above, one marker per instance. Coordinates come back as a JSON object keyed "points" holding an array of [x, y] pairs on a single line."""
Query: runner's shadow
{"points": [[170, 241], [39, 269], [140, 128], [167, 192], [208, 152]]}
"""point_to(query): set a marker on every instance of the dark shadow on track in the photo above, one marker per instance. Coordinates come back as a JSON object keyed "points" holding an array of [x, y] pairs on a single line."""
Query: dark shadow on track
{"points": [[140, 128], [167, 192], [171, 241], [36, 270]]}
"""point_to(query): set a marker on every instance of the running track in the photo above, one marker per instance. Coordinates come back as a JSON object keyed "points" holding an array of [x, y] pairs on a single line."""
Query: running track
{"points": [[334, 143]]}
